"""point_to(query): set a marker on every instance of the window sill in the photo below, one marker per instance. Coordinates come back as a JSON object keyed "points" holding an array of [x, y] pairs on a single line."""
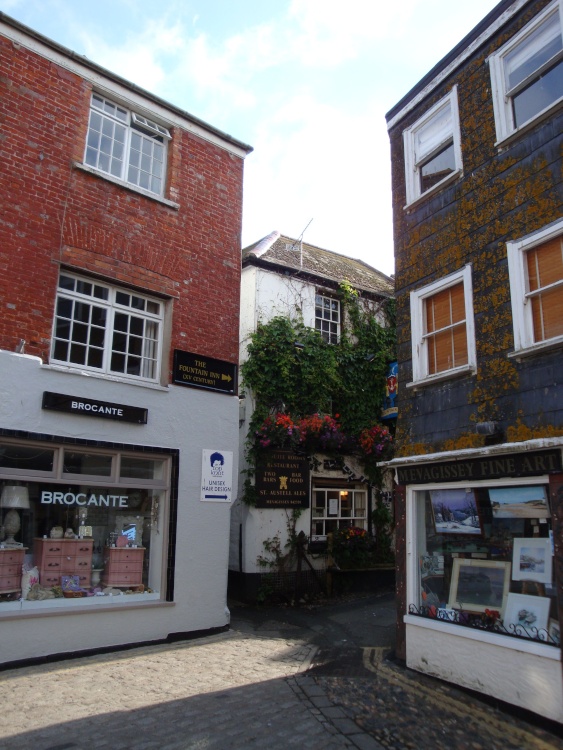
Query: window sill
{"points": [[459, 372], [412, 205], [127, 185], [535, 349], [104, 376], [56, 607]]}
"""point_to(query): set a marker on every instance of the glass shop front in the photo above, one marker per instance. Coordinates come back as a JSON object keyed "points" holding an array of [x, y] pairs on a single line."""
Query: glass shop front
{"points": [[80, 524], [483, 551]]}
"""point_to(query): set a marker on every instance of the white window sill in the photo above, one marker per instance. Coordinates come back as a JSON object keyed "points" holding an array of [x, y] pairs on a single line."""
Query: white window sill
{"points": [[411, 205], [84, 605], [104, 376], [530, 351], [440, 377], [483, 636], [127, 185]]}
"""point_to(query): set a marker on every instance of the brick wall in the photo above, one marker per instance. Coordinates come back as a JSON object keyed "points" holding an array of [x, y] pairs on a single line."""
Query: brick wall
{"points": [[53, 213]]}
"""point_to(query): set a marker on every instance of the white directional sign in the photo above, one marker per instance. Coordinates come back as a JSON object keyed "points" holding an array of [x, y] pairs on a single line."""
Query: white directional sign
{"points": [[216, 476]]}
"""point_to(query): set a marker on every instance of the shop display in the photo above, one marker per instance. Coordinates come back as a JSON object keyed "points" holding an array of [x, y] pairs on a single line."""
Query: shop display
{"points": [[63, 557], [123, 567], [11, 561], [485, 559]]}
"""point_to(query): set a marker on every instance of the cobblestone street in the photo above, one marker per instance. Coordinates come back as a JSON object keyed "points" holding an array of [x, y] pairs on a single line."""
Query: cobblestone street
{"points": [[278, 679]]}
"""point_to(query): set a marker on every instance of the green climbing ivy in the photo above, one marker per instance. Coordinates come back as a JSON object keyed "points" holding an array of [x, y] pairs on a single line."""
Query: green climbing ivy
{"points": [[346, 380]]}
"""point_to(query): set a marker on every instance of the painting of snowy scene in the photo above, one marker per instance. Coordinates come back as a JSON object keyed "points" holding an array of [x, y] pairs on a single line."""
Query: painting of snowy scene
{"points": [[519, 502], [455, 512]]}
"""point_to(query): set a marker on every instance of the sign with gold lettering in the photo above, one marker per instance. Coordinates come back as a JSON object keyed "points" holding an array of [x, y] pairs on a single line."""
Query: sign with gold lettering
{"points": [[282, 481], [492, 467], [197, 371]]}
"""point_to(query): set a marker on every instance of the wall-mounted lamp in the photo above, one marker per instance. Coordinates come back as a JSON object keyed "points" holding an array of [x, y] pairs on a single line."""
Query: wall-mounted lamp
{"points": [[370, 357], [15, 497], [298, 345]]}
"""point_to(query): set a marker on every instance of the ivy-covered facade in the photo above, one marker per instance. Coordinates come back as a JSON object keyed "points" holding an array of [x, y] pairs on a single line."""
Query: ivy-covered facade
{"points": [[317, 340], [478, 213]]}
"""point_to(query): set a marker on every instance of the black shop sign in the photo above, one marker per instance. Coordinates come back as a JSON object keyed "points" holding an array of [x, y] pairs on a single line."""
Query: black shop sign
{"points": [[89, 407], [197, 371], [282, 481]]}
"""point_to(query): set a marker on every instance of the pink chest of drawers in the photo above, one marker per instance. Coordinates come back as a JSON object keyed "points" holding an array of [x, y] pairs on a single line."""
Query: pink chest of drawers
{"points": [[123, 566], [63, 557], [11, 561]]}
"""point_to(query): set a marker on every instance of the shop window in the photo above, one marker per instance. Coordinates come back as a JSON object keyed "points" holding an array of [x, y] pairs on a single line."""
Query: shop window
{"points": [[126, 145], [107, 329], [327, 317], [527, 72], [89, 520], [483, 559], [536, 288], [337, 508], [433, 148], [443, 339]]}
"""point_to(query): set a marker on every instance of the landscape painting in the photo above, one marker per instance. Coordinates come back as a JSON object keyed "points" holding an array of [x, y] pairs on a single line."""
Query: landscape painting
{"points": [[519, 502], [455, 512], [478, 585], [531, 560]]}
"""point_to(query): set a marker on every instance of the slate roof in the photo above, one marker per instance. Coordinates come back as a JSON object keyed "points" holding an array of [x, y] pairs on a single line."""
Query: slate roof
{"points": [[281, 251]]}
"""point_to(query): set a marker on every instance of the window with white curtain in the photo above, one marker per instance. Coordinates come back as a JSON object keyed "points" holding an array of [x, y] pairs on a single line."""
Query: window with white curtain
{"points": [[433, 148]]}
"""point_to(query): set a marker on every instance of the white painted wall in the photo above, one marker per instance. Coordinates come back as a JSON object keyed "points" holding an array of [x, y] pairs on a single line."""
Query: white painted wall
{"points": [[184, 418], [525, 674]]}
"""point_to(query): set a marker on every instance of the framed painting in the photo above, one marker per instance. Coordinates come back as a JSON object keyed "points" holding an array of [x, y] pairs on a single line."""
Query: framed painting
{"points": [[531, 560], [526, 615], [455, 511], [519, 502], [478, 585]]}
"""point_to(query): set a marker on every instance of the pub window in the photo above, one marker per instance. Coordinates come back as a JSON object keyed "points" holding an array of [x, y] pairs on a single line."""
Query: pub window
{"points": [[335, 508]]}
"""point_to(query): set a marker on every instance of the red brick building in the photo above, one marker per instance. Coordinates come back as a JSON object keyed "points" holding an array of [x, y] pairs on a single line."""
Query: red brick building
{"points": [[119, 288]]}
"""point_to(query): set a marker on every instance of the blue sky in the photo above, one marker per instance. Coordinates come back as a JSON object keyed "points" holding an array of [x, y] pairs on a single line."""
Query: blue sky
{"points": [[307, 83]]}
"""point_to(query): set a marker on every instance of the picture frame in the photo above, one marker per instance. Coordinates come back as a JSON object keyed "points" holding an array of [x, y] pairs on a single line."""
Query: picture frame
{"points": [[554, 630], [526, 615], [519, 502], [455, 511], [531, 560], [478, 585]]}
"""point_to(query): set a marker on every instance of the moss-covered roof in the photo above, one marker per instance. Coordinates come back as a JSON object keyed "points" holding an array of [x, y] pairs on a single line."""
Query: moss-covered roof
{"points": [[279, 250]]}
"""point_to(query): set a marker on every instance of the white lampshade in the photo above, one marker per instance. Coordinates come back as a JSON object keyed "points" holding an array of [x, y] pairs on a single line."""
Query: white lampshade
{"points": [[15, 496]]}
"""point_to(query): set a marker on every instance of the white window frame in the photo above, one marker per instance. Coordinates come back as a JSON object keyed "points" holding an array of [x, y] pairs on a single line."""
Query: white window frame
{"points": [[342, 520], [420, 369], [502, 97], [328, 336], [112, 308], [133, 126], [522, 319], [414, 161]]}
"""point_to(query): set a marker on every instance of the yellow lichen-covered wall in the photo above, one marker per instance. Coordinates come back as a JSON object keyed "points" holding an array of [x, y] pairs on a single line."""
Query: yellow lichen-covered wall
{"points": [[503, 194]]}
